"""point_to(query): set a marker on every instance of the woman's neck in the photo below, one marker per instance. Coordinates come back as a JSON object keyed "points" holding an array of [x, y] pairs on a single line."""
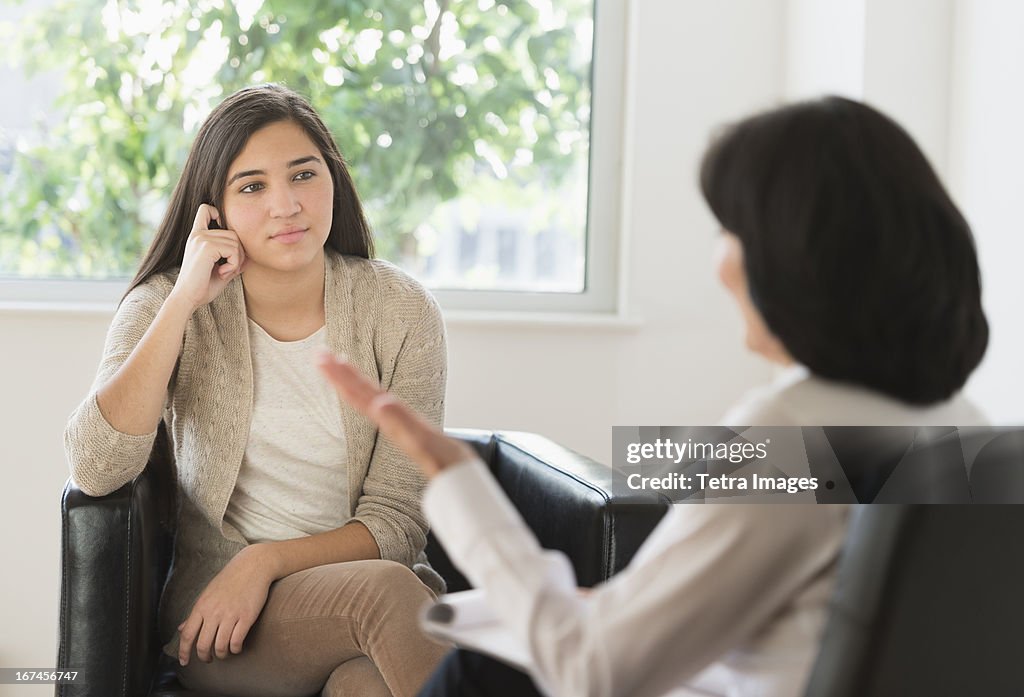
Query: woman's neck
{"points": [[288, 305]]}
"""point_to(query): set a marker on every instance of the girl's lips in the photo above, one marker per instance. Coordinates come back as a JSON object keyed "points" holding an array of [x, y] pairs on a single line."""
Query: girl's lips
{"points": [[290, 237]]}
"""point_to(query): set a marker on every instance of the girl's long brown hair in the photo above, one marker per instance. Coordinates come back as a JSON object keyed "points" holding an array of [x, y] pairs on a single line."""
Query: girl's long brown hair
{"points": [[220, 139]]}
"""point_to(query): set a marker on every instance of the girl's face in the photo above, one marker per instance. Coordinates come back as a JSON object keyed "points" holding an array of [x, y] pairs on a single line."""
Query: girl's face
{"points": [[279, 199], [733, 275]]}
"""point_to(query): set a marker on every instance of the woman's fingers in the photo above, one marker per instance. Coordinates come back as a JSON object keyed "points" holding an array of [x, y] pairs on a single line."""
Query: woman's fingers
{"points": [[412, 433], [235, 262], [214, 249], [188, 631], [204, 643], [222, 642], [218, 233], [238, 635], [353, 387], [226, 610], [213, 256], [205, 214], [198, 632], [207, 233], [233, 266], [409, 431]]}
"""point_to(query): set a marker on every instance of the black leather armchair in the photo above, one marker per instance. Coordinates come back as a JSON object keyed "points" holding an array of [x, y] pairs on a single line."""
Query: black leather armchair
{"points": [[929, 601], [115, 552]]}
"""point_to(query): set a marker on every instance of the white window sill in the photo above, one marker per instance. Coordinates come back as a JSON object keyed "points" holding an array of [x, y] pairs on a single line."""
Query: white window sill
{"points": [[29, 307], [543, 320], [453, 318]]}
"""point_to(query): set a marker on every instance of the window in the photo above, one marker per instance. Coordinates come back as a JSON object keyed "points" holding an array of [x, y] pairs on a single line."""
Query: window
{"points": [[467, 125]]}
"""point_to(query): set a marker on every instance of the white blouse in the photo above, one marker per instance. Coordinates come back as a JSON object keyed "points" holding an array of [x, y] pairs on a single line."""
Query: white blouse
{"points": [[727, 599]]}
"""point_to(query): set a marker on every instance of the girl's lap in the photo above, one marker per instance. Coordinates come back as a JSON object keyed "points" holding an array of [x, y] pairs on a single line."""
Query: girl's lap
{"points": [[320, 619]]}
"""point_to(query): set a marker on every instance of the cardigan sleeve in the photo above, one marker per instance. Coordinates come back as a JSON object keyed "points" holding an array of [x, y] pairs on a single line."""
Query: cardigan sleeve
{"points": [[389, 506], [101, 458]]}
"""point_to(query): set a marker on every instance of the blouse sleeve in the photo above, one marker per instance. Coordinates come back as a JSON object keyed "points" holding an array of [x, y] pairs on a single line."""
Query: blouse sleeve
{"points": [[389, 506], [102, 458], [708, 578]]}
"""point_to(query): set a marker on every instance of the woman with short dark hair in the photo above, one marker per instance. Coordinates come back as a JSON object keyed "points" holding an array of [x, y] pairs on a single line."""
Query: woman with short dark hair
{"points": [[845, 255]]}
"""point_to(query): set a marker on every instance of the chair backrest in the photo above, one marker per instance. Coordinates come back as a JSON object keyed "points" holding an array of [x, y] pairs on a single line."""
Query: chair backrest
{"points": [[929, 601]]}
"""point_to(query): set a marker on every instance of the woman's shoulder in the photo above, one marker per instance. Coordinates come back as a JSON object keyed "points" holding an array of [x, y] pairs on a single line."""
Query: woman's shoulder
{"points": [[759, 407], [375, 281], [768, 405], [799, 398], [151, 292]]}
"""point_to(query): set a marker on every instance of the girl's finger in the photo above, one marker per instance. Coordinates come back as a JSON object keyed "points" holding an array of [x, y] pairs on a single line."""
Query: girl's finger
{"points": [[223, 639], [188, 630], [204, 214]]}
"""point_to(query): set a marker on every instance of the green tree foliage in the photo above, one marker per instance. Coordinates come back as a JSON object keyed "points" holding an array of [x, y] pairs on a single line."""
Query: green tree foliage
{"points": [[425, 99]]}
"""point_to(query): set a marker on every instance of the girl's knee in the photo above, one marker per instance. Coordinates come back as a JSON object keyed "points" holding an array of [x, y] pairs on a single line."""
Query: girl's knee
{"points": [[392, 577], [388, 573], [369, 583]]}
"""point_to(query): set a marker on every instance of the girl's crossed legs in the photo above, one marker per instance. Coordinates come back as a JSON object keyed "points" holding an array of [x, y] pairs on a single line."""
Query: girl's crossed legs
{"points": [[349, 629]]}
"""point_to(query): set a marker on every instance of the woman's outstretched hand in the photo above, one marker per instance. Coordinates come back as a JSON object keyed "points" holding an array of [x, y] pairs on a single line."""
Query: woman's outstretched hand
{"points": [[227, 608], [430, 448], [203, 274]]}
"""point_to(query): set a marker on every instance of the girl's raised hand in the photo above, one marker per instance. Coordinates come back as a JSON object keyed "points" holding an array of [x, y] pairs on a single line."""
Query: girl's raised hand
{"points": [[203, 275]]}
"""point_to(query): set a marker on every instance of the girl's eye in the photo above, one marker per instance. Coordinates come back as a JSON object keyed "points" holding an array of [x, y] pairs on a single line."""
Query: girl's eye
{"points": [[257, 186]]}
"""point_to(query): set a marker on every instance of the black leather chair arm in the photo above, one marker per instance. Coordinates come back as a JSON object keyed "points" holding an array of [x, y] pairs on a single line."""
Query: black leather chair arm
{"points": [[927, 602], [567, 501], [113, 560]]}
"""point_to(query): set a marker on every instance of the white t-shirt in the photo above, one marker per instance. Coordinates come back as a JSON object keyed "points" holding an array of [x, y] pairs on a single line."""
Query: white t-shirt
{"points": [[293, 481]]}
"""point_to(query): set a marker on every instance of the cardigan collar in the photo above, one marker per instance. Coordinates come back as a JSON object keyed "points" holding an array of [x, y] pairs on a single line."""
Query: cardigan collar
{"points": [[233, 380], [348, 336]]}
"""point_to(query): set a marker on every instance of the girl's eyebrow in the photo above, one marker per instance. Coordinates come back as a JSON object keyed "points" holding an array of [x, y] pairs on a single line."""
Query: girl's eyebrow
{"points": [[293, 163]]}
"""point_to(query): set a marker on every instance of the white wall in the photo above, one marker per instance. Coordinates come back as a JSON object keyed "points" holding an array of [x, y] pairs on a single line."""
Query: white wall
{"points": [[894, 55], [907, 59], [986, 154], [824, 48], [694, 64]]}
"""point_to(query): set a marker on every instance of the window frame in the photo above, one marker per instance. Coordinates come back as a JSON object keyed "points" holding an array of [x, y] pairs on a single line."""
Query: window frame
{"points": [[600, 296]]}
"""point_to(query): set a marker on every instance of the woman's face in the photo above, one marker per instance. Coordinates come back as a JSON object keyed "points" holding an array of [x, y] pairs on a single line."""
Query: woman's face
{"points": [[733, 275], [279, 199]]}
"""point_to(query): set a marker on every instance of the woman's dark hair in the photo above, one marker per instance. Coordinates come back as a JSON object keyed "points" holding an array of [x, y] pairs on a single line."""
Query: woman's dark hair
{"points": [[855, 255], [220, 139]]}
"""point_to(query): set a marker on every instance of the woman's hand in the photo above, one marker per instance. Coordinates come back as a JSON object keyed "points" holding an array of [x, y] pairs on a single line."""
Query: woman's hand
{"points": [[430, 448], [202, 276], [228, 607]]}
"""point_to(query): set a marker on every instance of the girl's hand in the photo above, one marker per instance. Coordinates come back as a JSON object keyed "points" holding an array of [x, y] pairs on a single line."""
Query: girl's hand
{"points": [[431, 449], [202, 277], [227, 609]]}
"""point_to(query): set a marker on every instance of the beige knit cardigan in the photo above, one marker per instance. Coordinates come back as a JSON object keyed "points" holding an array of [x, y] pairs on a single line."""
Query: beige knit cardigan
{"points": [[377, 316]]}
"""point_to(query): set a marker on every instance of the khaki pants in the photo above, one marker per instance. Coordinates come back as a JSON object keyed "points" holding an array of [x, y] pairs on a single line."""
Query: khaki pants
{"points": [[348, 629]]}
